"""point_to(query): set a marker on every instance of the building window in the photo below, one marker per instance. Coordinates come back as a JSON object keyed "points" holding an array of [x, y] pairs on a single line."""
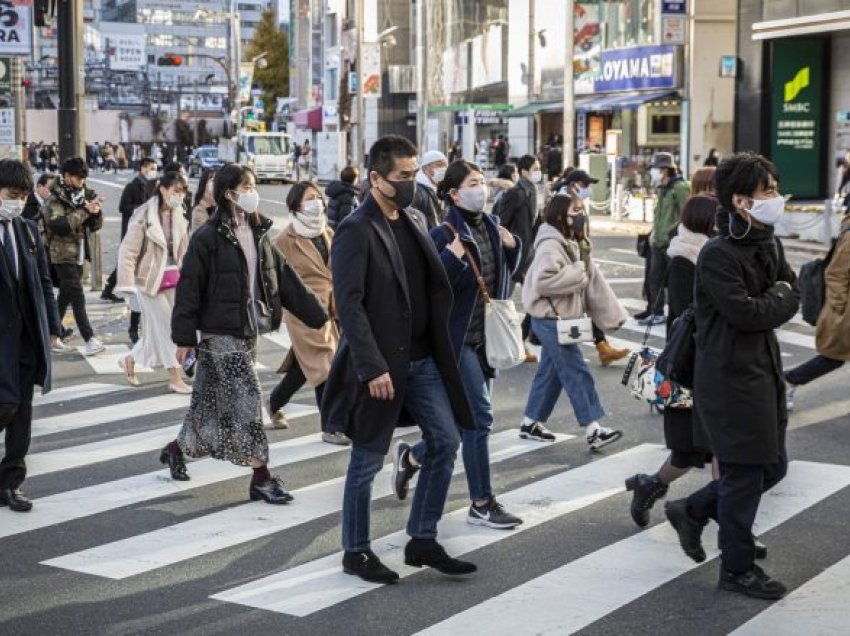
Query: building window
{"points": [[332, 84], [331, 28]]}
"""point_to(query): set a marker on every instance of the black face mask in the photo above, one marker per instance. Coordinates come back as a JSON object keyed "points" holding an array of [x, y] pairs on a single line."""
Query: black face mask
{"points": [[404, 193], [579, 225]]}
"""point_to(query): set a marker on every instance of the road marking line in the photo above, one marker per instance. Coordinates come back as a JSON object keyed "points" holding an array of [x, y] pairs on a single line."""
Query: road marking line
{"points": [[620, 264], [819, 606], [242, 523], [606, 580], [76, 392], [624, 281], [320, 584]]}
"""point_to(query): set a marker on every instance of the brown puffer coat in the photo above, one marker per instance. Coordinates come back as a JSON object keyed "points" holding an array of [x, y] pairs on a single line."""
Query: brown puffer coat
{"points": [[832, 337]]}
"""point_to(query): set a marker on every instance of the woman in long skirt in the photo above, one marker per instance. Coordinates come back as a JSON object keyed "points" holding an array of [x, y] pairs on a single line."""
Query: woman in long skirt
{"points": [[149, 265]]}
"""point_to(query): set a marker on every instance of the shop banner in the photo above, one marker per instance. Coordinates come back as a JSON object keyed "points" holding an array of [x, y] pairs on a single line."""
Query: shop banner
{"points": [[587, 39], [638, 68], [15, 27], [797, 123]]}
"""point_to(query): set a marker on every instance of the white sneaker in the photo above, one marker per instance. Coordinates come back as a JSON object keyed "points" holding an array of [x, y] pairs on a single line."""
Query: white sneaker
{"points": [[601, 437], [59, 347], [93, 347]]}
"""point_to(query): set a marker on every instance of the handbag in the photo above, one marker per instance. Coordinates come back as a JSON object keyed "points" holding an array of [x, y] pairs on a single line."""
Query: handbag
{"points": [[170, 278], [572, 330], [642, 245], [676, 361], [503, 343]]}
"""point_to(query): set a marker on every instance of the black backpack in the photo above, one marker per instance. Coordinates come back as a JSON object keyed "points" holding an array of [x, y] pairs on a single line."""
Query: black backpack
{"points": [[812, 283]]}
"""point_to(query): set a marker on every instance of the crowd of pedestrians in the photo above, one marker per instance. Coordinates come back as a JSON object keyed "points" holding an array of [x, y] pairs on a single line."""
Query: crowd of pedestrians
{"points": [[383, 286]]}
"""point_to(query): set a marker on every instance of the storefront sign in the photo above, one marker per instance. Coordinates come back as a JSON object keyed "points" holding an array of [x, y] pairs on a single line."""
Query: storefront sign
{"points": [[7, 127], [797, 126], [673, 29], [678, 7], [638, 68], [5, 75], [15, 27]]}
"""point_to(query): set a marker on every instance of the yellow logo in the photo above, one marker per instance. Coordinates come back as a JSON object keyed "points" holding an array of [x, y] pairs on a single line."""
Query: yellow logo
{"points": [[800, 81]]}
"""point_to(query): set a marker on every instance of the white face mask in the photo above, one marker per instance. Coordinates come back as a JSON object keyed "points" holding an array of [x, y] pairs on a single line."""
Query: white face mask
{"points": [[150, 175], [439, 175], [248, 201], [536, 176], [11, 209], [583, 193], [174, 201], [656, 175], [768, 211], [312, 208], [472, 199]]}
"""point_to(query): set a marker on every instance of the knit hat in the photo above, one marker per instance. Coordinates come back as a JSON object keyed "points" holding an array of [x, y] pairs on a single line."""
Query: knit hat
{"points": [[432, 156]]}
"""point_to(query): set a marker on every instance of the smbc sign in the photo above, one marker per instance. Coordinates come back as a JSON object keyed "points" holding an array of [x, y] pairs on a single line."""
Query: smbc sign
{"points": [[797, 122]]}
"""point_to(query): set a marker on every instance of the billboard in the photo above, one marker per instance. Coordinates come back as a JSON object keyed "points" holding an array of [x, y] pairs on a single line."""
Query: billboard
{"points": [[638, 68], [127, 52], [15, 27]]}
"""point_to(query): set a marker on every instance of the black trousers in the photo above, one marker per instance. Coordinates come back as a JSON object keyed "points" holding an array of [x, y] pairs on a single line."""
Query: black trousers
{"points": [[732, 501], [71, 293], [16, 419], [657, 264], [812, 370], [289, 386]]}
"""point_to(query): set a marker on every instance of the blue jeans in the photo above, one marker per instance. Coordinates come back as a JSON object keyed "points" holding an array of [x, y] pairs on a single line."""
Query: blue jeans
{"points": [[476, 451], [428, 403], [561, 367]]}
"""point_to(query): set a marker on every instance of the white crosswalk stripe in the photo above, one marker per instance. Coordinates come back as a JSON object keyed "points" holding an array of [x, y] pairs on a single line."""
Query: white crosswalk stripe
{"points": [[76, 392]]}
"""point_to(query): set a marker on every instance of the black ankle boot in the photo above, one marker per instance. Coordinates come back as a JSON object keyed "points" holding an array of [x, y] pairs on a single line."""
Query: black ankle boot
{"points": [[175, 462], [688, 528], [647, 490]]}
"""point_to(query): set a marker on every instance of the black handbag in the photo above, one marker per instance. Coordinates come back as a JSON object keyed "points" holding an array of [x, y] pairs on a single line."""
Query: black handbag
{"points": [[642, 245], [676, 361]]}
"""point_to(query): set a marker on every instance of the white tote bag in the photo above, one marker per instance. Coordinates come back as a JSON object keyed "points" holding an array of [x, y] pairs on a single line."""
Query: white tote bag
{"points": [[502, 324]]}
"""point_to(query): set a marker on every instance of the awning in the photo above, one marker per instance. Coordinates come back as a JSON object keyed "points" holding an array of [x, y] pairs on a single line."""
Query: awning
{"points": [[309, 118], [802, 25], [620, 101], [533, 108]]}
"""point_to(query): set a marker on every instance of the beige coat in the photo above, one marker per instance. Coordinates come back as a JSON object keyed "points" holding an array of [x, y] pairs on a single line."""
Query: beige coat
{"points": [[201, 212], [314, 348], [832, 337], [143, 253], [557, 273]]}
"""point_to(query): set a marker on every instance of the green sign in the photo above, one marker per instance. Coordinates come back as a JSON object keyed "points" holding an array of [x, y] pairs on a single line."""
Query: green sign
{"points": [[797, 125], [5, 75]]}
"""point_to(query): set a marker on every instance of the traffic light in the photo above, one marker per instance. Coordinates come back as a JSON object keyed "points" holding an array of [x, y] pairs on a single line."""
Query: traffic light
{"points": [[45, 11], [169, 59]]}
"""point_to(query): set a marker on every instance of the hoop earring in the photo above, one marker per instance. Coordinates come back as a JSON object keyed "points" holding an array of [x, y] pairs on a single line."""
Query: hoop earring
{"points": [[744, 235]]}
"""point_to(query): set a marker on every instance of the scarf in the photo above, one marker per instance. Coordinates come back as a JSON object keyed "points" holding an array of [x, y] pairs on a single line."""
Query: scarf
{"points": [[687, 244], [77, 196], [307, 226]]}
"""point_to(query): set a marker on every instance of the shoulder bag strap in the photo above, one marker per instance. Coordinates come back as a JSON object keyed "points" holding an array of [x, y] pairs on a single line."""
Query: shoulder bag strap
{"points": [[481, 282]]}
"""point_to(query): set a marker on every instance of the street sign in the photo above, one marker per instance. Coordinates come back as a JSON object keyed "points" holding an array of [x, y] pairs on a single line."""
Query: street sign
{"points": [[7, 127], [673, 29], [5, 75], [15, 27], [677, 7], [729, 66]]}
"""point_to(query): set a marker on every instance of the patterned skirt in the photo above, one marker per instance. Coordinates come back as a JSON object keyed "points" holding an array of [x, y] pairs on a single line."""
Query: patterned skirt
{"points": [[225, 415]]}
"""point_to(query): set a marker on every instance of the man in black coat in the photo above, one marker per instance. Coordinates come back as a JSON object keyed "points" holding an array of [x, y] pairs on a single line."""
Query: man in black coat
{"points": [[743, 291], [30, 320], [393, 299]]}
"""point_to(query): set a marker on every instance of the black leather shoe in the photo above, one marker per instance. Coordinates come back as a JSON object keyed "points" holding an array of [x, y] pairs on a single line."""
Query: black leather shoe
{"points": [[134, 335], [271, 491], [647, 490], [403, 470], [754, 582], [175, 463], [15, 499], [111, 298], [688, 528], [368, 567], [419, 552]]}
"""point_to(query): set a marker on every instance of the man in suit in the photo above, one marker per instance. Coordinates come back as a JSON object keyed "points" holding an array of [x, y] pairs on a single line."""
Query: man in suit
{"points": [[393, 300], [30, 318]]}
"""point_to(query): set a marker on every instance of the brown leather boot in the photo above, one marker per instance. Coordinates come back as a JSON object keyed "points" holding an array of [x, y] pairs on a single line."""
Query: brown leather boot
{"points": [[608, 354]]}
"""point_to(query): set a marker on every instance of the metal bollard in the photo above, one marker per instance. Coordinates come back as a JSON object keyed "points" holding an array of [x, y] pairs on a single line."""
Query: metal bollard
{"points": [[826, 229], [96, 251]]}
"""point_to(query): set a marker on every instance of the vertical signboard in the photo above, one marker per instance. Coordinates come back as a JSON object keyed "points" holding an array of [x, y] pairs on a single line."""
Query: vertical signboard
{"points": [[15, 27], [797, 123]]}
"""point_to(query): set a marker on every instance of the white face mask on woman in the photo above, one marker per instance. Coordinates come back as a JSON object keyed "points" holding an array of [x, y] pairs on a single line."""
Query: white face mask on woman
{"points": [[248, 201], [472, 199]]}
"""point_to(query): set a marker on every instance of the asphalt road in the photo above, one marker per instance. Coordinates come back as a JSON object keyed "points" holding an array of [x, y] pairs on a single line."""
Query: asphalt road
{"points": [[114, 547]]}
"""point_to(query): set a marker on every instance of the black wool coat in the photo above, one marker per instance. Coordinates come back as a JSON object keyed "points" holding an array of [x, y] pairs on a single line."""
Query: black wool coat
{"points": [[372, 301], [517, 210], [213, 296], [739, 391]]}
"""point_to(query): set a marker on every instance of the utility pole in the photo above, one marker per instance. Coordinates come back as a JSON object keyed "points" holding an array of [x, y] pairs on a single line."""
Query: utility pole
{"points": [[421, 79], [195, 111], [532, 70], [17, 79], [68, 117], [361, 108], [568, 135]]}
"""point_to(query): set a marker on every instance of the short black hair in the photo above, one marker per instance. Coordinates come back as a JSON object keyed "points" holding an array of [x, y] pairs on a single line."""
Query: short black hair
{"points": [[456, 174], [75, 166], [742, 173], [507, 171], [525, 162], [698, 214], [349, 174], [45, 178], [386, 150], [297, 192], [147, 161], [15, 175], [173, 166]]}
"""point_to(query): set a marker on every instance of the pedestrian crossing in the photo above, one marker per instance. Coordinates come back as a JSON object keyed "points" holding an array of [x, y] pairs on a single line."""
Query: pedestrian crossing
{"points": [[307, 583]]}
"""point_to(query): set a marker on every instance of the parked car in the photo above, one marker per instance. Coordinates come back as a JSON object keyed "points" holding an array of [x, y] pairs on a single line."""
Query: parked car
{"points": [[204, 158]]}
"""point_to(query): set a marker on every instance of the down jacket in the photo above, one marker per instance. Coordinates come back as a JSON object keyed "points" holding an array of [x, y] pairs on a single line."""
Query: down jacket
{"points": [[833, 329]]}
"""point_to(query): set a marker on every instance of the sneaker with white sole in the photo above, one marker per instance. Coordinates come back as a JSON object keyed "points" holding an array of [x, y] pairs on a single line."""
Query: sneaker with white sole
{"points": [[59, 347], [338, 438], [93, 347], [537, 432], [492, 515], [601, 437]]}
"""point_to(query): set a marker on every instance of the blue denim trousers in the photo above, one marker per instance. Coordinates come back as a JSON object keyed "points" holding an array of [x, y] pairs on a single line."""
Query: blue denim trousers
{"points": [[428, 403], [476, 443], [561, 367]]}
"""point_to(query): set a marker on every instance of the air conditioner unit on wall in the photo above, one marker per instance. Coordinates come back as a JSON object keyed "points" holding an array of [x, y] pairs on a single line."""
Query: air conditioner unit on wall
{"points": [[402, 78]]}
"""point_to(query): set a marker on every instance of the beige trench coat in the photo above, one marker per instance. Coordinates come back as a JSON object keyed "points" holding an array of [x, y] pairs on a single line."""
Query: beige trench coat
{"points": [[143, 253], [832, 337], [314, 348]]}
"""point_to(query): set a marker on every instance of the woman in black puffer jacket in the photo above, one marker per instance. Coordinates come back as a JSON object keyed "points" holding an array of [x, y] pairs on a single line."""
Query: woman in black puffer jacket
{"points": [[232, 288]]}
